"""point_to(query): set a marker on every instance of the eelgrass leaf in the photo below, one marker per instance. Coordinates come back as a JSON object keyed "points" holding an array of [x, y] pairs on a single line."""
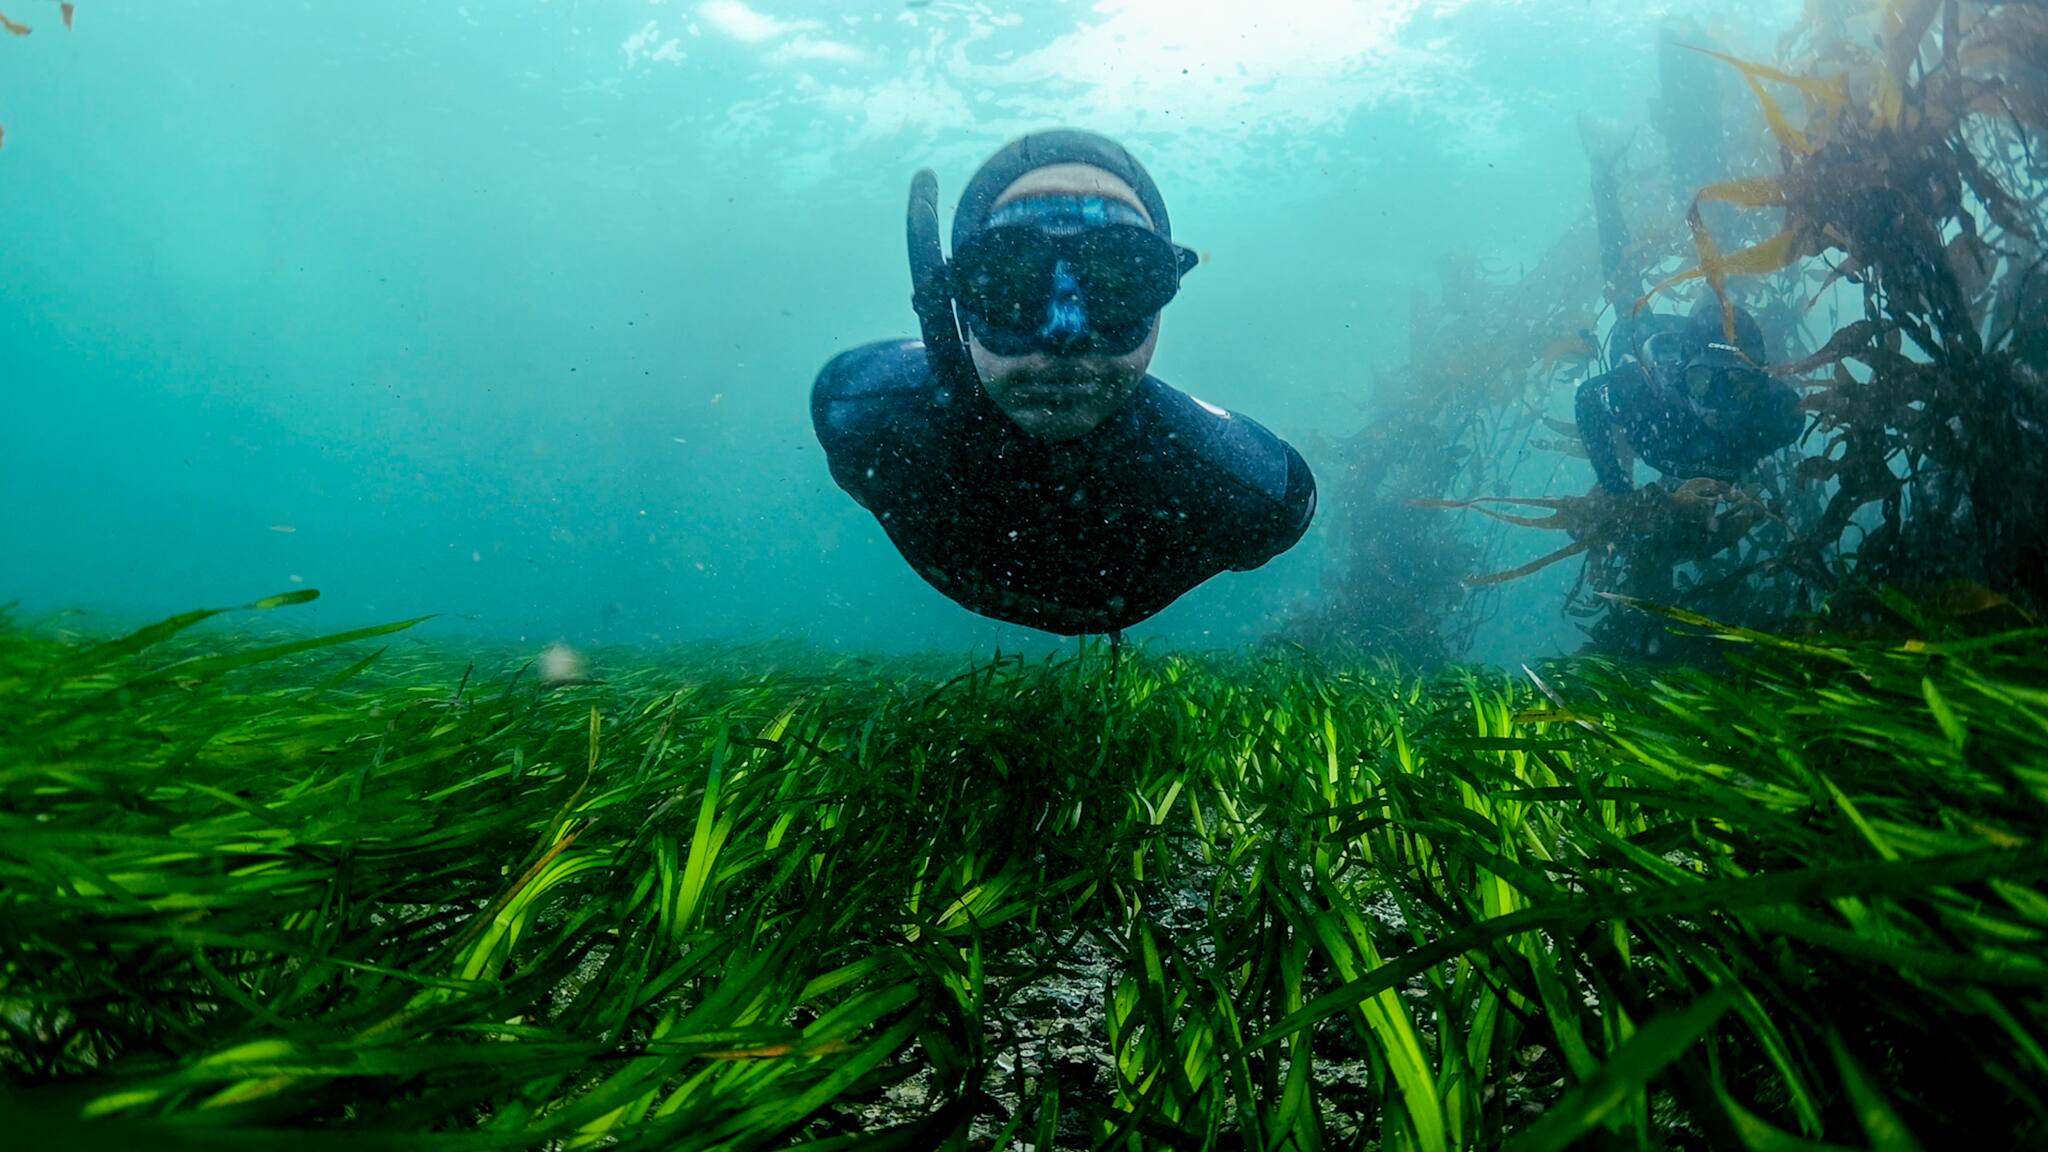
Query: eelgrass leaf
{"points": [[1731, 633], [1751, 892], [1881, 1124], [1659, 1042], [151, 635], [1757, 1135]]}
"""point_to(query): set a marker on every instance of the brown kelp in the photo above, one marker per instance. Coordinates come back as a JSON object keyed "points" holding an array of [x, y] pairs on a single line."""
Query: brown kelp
{"points": [[1913, 179], [1397, 585], [15, 28], [1489, 355], [1485, 354], [1689, 523], [1908, 195]]}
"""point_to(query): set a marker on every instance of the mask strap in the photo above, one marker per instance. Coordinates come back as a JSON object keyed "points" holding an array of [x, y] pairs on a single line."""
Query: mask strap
{"points": [[1733, 350]]}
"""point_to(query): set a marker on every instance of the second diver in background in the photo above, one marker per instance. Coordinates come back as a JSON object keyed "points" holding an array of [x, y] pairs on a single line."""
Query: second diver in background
{"points": [[1686, 395], [1687, 401]]}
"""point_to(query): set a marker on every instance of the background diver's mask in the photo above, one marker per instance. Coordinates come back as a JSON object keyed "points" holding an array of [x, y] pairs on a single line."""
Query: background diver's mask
{"points": [[1718, 376], [1722, 377], [1065, 274]]}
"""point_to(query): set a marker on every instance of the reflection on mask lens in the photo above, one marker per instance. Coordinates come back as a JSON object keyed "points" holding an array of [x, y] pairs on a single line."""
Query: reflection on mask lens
{"points": [[1699, 380], [1722, 386], [1005, 277]]}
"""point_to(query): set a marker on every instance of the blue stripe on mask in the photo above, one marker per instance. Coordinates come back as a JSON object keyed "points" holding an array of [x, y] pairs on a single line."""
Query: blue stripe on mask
{"points": [[1067, 315]]}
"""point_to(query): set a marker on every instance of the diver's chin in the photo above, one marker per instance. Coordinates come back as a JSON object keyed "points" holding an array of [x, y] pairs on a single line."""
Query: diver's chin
{"points": [[1055, 420], [1055, 394]]}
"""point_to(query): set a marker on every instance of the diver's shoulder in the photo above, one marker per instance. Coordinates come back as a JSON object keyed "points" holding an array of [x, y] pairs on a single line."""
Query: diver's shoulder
{"points": [[875, 390], [1222, 438], [1619, 373], [1184, 411], [874, 372]]}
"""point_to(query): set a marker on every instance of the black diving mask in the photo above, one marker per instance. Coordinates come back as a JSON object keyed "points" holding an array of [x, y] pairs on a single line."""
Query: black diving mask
{"points": [[1060, 273], [1722, 376]]}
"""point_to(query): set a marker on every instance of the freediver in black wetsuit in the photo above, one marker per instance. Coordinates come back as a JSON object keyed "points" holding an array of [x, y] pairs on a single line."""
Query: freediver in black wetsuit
{"points": [[1019, 456], [1688, 402], [1679, 393]]}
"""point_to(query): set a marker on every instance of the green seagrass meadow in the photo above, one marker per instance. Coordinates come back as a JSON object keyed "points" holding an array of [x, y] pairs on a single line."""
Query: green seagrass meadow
{"points": [[262, 890]]}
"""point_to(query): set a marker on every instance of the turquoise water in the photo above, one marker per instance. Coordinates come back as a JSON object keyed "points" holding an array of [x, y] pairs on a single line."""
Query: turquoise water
{"points": [[509, 311]]}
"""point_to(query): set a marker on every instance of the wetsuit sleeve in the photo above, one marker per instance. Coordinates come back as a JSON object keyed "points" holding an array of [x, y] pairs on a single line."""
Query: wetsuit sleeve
{"points": [[1258, 491], [1280, 524], [860, 404], [1596, 432]]}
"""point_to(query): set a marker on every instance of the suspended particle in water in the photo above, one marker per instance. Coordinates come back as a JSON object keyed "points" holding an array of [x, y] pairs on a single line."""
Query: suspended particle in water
{"points": [[561, 664]]}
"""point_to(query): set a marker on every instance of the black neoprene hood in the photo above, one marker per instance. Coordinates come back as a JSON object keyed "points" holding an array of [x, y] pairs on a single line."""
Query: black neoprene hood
{"points": [[1042, 150], [1703, 328]]}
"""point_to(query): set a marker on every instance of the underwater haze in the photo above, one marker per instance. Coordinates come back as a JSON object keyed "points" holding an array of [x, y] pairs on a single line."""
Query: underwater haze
{"points": [[508, 311]]}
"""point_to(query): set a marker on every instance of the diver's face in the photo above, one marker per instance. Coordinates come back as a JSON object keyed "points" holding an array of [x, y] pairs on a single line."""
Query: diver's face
{"points": [[1061, 396], [1064, 396]]}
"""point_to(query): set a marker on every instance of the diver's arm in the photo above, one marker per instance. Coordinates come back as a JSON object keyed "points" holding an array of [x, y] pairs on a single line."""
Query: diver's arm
{"points": [[1274, 526], [858, 404], [1258, 490], [1596, 432]]}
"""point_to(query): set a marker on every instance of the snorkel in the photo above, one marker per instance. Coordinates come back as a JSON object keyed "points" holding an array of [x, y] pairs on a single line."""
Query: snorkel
{"points": [[931, 286]]}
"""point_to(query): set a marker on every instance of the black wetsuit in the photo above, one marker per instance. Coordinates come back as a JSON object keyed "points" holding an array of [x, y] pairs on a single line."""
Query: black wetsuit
{"points": [[1670, 431], [1088, 535]]}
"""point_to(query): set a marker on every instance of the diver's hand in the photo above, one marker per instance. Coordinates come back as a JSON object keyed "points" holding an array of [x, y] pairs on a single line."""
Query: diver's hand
{"points": [[1627, 513], [1625, 501]]}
